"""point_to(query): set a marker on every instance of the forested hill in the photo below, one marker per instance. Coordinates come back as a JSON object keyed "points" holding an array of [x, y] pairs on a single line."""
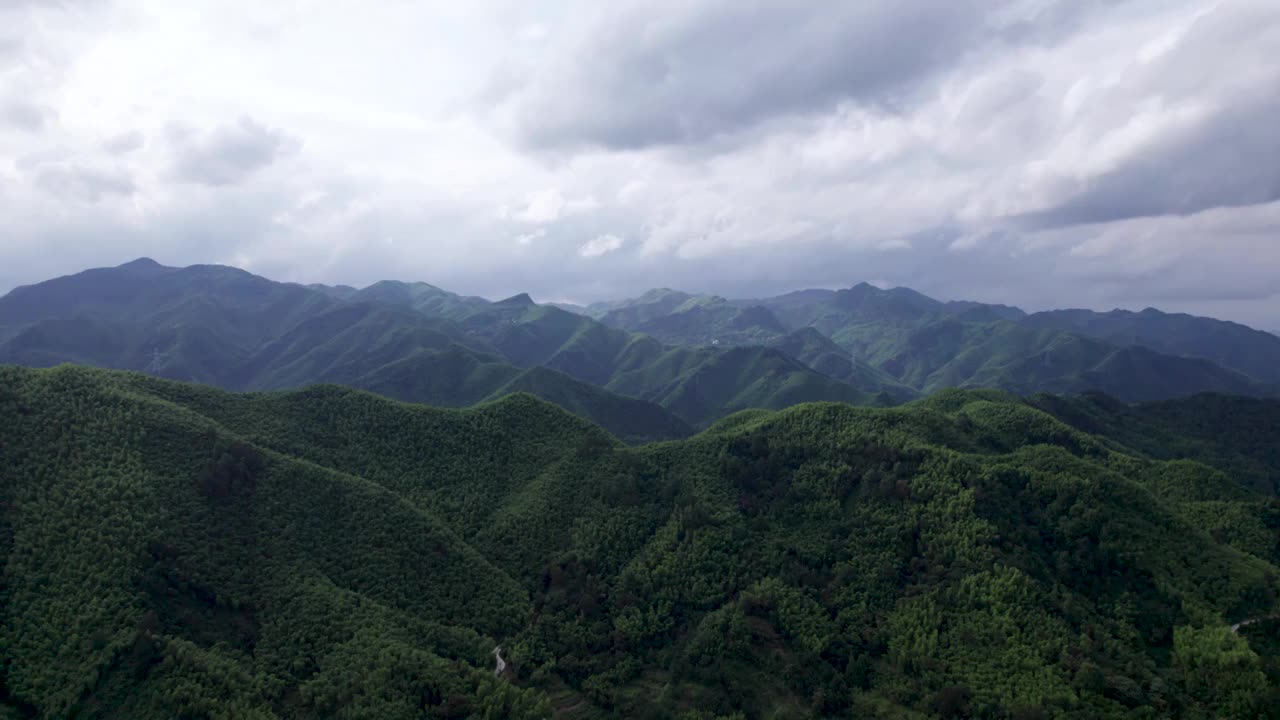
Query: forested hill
{"points": [[174, 550]]}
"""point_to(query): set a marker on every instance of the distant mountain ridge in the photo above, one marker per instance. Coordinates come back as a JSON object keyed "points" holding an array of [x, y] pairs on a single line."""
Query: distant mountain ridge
{"points": [[1230, 344], [649, 368], [410, 341], [229, 328], [927, 344]]}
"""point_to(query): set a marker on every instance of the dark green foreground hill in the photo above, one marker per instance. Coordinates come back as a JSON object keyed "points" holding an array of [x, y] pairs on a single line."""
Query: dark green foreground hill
{"points": [[172, 550]]}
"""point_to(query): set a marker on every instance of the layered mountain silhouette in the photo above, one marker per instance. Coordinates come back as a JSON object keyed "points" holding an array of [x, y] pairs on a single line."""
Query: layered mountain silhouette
{"points": [[650, 368]]}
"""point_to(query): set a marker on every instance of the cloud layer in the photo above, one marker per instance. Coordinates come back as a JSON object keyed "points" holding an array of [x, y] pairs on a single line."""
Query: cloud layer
{"points": [[1036, 152]]}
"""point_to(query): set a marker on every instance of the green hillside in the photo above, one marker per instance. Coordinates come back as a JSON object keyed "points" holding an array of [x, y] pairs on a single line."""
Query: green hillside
{"points": [[173, 550], [953, 353], [703, 384], [929, 345], [419, 296], [629, 419], [453, 377], [632, 313], [678, 318], [699, 384], [1235, 434], [1231, 345], [197, 323], [157, 565], [345, 343], [822, 354]]}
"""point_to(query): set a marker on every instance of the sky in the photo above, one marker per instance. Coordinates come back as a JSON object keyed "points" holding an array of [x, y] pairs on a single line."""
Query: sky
{"points": [[1042, 153]]}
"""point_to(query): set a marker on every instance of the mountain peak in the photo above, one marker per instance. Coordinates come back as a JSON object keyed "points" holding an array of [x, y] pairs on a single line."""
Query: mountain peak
{"points": [[521, 299], [142, 263], [658, 293]]}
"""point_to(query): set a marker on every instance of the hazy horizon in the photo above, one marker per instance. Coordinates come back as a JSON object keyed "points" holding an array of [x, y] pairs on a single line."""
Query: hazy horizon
{"points": [[690, 291]]}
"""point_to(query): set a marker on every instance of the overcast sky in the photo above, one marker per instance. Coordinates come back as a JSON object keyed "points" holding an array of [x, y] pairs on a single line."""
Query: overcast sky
{"points": [[1044, 153]]}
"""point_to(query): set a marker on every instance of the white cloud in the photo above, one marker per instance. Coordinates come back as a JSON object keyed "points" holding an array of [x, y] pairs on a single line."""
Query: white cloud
{"points": [[600, 245], [550, 205], [528, 238], [542, 207]]}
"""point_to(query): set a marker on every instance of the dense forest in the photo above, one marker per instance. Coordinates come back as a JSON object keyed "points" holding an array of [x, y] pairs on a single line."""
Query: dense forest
{"points": [[175, 550]]}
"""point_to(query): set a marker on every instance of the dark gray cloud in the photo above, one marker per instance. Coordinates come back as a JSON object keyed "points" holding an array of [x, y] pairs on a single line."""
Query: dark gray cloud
{"points": [[229, 153], [700, 69], [1201, 126], [1229, 159], [690, 72]]}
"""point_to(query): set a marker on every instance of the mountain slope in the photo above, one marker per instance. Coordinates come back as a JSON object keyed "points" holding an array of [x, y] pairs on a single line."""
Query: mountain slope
{"points": [[697, 384], [419, 296], [678, 318], [409, 356], [953, 353], [226, 327], [344, 343], [174, 550], [701, 385], [204, 571], [196, 323], [822, 354], [930, 345], [1231, 345], [629, 419], [1236, 434]]}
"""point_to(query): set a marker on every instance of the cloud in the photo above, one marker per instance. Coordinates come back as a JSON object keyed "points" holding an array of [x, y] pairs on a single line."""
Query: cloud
{"points": [[10, 47], [600, 245], [684, 72], [1214, 163], [543, 206], [528, 238], [26, 116], [550, 204], [125, 142], [84, 183], [230, 153], [1187, 135]]}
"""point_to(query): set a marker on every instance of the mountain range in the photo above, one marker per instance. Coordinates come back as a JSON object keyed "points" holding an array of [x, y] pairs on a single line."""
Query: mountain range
{"points": [[655, 367], [928, 344]]}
